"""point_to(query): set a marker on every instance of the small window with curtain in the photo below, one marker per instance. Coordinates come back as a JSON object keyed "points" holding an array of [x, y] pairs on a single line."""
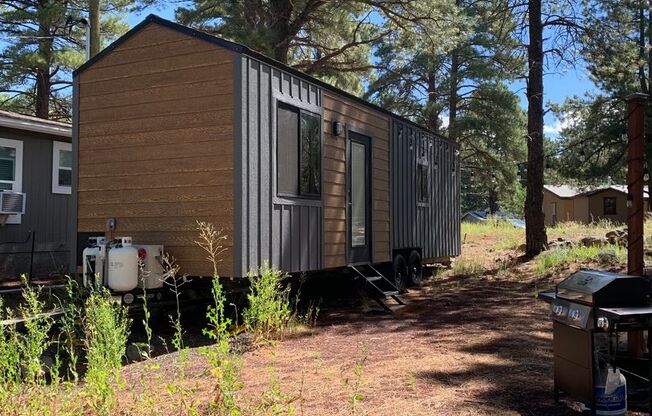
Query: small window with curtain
{"points": [[298, 153], [61, 168], [422, 182], [609, 205]]}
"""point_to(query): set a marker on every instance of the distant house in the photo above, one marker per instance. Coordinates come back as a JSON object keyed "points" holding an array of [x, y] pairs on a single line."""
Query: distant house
{"points": [[567, 203], [35, 159]]}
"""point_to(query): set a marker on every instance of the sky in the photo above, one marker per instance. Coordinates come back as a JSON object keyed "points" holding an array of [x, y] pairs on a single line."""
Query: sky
{"points": [[557, 86]]}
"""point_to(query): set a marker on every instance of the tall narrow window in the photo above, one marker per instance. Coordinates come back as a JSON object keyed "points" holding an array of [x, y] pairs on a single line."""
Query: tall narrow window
{"points": [[11, 170], [609, 205], [298, 153], [422, 182], [61, 168]]}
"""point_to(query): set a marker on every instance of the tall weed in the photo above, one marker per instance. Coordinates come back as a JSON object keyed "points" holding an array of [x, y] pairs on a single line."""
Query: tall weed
{"points": [[269, 307], [106, 330], [35, 339]]}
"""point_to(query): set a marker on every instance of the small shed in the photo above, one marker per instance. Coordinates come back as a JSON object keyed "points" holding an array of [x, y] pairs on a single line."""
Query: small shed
{"points": [[36, 159], [173, 125]]}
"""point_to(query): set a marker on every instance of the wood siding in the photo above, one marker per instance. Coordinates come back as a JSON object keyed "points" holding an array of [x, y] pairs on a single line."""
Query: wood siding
{"points": [[46, 214], [155, 151], [364, 120]]}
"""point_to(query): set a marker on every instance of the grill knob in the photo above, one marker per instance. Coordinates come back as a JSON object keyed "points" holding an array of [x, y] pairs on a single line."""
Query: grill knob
{"points": [[575, 314], [603, 323]]}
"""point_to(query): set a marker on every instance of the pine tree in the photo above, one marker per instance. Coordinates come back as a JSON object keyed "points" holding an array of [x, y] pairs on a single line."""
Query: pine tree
{"points": [[43, 47], [331, 40]]}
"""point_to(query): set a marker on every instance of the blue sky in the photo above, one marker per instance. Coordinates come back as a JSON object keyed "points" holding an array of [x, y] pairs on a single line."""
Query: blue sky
{"points": [[557, 86]]}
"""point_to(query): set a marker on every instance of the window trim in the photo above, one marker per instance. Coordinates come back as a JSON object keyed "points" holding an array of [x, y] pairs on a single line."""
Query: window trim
{"points": [[56, 148], [315, 198], [604, 205], [423, 167], [18, 178]]}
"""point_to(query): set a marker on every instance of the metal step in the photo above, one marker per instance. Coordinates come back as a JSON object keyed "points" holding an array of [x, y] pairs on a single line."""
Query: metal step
{"points": [[373, 280]]}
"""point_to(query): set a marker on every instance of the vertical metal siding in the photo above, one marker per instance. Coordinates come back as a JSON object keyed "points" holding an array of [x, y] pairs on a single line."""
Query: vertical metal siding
{"points": [[287, 233], [433, 226]]}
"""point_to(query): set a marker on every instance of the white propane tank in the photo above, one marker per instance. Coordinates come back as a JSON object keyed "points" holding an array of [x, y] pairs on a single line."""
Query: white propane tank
{"points": [[93, 262], [151, 257], [123, 266]]}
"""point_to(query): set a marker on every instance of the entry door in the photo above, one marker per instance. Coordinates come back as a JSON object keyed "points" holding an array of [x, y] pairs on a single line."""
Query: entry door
{"points": [[359, 198]]}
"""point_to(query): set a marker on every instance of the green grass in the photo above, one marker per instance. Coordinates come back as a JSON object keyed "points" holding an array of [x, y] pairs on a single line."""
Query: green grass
{"points": [[550, 260], [465, 267]]}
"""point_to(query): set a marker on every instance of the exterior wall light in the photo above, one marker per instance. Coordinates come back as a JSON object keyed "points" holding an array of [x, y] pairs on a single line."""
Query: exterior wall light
{"points": [[337, 128]]}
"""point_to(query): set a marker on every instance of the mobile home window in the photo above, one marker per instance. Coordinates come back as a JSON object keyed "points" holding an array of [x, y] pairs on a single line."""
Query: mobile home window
{"points": [[609, 205], [11, 165], [422, 182], [298, 153], [61, 168]]}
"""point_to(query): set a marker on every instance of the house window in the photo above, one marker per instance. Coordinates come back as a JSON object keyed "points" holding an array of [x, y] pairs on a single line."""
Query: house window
{"points": [[298, 153], [609, 205], [422, 182], [61, 168], [11, 170]]}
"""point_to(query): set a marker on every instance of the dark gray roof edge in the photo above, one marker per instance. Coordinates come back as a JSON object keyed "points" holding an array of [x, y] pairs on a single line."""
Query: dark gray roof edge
{"points": [[239, 48]]}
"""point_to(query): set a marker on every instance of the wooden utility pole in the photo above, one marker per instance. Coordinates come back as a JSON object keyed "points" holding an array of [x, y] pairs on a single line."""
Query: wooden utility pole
{"points": [[636, 104], [635, 182]]}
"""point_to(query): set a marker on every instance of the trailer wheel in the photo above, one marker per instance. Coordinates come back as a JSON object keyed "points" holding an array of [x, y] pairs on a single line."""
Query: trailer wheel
{"points": [[415, 274], [399, 272]]}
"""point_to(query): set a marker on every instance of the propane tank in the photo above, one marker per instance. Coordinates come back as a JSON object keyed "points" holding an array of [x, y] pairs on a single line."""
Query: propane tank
{"points": [[94, 256], [123, 266]]}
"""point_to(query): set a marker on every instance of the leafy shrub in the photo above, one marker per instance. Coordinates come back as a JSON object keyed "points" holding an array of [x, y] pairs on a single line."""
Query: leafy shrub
{"points": [[269, 309], [35, 339]]}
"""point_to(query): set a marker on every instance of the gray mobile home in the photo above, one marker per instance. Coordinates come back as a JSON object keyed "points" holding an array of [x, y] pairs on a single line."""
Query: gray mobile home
{"points": [[173, 125], [35, 160]]}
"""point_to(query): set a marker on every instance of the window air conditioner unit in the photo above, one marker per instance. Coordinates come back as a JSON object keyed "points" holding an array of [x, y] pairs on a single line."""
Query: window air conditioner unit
{"points": [[11, 203]]}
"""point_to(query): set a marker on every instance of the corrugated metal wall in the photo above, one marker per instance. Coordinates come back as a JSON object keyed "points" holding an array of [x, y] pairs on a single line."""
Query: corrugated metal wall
{"points": [[286, 232], [45, 213], [433, 225]]}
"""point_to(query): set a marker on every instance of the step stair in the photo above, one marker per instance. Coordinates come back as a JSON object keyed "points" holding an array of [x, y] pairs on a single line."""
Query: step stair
{"points": [[378, 286]]}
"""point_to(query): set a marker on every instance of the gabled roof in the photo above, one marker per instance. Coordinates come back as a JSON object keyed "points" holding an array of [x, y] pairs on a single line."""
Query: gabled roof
{"points": [[566, 191], [29, 123], [563, 191], [242, 49]]}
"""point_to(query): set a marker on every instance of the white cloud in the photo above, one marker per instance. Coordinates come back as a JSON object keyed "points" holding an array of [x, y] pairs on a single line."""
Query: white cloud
{"points": [[444, 121], [559, 125]]}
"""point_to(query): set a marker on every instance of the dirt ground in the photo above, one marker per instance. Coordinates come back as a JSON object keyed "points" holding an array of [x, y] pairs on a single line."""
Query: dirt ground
{"points": [[462, 346]]}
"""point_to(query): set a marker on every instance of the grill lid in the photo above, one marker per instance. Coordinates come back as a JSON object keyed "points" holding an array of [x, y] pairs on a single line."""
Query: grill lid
{"points": [[597, 288]]}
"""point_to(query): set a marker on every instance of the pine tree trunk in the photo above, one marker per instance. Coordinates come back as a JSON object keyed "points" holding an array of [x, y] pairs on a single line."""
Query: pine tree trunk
{"points": [[43, 82], [281, 12], [535, 230], [94, 21], [432, 120], [453, 97]]}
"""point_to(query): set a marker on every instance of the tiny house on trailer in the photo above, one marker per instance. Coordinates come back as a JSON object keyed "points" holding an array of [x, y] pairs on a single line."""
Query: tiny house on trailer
{"points": [[173, 125]]}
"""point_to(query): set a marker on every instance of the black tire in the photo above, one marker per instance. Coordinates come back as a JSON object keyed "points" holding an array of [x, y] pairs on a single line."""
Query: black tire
{"points": [[399, 272], [415, 269]]}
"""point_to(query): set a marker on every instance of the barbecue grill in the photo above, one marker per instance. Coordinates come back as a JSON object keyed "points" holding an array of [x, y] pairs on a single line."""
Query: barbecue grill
{"points": [[585, 308]]}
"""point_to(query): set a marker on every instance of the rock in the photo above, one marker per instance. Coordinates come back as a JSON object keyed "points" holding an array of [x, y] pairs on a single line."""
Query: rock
{"points": [[618, 237], [560, 243], [607, 256], [594, 241]]}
